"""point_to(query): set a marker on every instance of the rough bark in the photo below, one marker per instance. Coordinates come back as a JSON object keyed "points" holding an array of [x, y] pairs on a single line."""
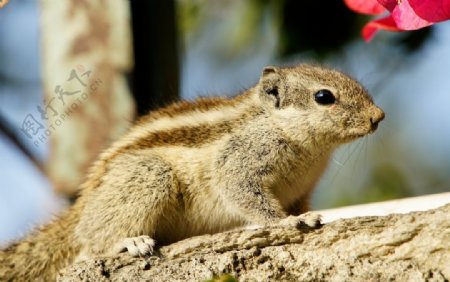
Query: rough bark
{"points": [[398, 247]]}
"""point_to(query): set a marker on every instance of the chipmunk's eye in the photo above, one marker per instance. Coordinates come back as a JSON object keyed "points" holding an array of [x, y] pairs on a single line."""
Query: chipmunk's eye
{"points": [[324, 97]]}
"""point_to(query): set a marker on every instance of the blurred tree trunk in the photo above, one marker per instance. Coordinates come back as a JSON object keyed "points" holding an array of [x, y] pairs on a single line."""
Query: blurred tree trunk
{"points": [[156, 70], [86, 55]]}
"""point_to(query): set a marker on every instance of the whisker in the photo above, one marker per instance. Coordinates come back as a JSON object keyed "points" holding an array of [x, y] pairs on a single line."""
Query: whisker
{"points": [[348, 152], [337, 162], [360, 149]]}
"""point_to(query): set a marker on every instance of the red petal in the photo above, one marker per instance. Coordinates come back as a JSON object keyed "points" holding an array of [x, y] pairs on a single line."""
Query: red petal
{"points": [[370, 7], [432, 10], [388, 4], [370, 29], [406, 18]]}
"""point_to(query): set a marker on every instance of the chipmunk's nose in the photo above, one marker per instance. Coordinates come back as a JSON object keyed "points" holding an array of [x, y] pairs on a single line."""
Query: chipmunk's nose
{"points": [[376, 116]]}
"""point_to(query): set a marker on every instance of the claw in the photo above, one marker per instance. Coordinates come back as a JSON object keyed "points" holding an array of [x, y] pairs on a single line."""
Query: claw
{"points": [[137, 246], [309, 219]]}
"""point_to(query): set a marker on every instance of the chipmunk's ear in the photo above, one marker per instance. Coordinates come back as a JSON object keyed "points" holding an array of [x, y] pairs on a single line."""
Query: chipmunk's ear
{"points": [[270, 85]]}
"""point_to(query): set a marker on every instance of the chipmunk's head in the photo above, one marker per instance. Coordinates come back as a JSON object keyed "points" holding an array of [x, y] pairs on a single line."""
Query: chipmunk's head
{"points": [[333, 107]]}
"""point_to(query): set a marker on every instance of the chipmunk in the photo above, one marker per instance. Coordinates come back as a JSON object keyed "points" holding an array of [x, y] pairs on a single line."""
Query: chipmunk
{"points": [[204, 167]]}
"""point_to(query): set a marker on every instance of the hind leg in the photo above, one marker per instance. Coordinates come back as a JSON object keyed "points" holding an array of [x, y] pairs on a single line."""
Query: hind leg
{"points": [[123, 212]]}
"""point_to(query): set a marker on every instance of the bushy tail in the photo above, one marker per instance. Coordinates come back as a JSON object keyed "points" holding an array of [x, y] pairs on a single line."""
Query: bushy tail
{"points": [[42, 253]]}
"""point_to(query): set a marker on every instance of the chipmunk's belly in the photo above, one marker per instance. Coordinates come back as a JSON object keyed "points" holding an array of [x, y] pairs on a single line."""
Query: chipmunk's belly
{"points": [[196, 216], [200, 210]]}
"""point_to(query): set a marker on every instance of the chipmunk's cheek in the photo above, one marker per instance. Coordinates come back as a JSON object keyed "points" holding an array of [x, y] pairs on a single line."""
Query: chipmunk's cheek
{"points": [[353, 128]]}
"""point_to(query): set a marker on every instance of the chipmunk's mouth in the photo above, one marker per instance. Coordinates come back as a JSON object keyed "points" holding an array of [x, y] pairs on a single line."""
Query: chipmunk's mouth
{"points": [[373, 127], [358, 134], [359, 131], [352, 136]]}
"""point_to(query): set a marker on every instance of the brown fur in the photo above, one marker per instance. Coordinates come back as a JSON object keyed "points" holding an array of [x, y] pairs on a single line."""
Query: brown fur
{"points": [[203, 167], [182, 107]]}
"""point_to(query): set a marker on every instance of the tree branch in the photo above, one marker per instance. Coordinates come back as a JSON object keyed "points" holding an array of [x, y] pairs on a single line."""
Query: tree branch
{"points": [[402, 247]]}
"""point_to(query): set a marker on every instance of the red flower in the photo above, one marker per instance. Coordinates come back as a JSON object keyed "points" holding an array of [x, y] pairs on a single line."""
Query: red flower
{"points": [[404, 14]]}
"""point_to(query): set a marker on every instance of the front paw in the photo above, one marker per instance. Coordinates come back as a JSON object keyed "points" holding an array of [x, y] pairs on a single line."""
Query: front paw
{"points": [[136, 246], [306, 220]]}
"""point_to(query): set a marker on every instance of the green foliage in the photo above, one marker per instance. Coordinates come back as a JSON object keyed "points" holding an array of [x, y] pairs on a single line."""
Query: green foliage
{"points": [[385, 182]]}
